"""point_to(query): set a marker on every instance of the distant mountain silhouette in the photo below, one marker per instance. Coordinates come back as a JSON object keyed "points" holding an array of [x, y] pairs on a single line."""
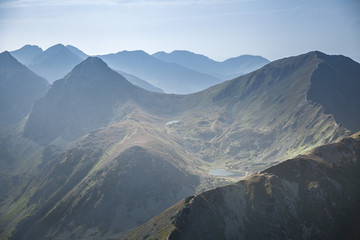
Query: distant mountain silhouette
{"points": [[27, 53], [179, 72], [170, 77], [77, 51], [19, 88], [54, 63], [228, 69], [140, 83]]}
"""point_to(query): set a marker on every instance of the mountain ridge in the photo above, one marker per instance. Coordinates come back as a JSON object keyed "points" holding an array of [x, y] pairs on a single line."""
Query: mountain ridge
{"points": [[170, 77], [315, 196]]}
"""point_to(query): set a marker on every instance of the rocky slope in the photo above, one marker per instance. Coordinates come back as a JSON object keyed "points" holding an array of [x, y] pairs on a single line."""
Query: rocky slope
{"points": [[312, 196]]}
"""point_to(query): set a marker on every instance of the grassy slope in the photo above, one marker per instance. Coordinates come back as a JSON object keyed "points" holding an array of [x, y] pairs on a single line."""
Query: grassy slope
{"points": [[315, 195], [252, 122], [103, 173]]}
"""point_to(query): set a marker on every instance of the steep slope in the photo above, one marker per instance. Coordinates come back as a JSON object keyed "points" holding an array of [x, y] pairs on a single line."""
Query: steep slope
{"points": [[54, 63], [26, 53], [313, 196], [140, 83], [170, 77], [19, 88], [225, 70], [335, 85]]}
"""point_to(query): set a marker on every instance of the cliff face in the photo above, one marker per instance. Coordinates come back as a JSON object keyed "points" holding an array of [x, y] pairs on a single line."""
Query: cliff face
{"points": [[312, 196]]}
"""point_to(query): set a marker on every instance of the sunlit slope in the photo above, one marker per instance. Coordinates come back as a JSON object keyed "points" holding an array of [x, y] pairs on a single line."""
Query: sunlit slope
{"points": [[312, 196], [124, 174], [267, 116]]}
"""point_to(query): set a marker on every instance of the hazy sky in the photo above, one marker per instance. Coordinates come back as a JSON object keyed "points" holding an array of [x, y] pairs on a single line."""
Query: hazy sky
{"points": [[217, 28]]}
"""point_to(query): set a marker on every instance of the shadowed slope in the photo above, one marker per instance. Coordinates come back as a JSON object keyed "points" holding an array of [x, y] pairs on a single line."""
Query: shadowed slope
{"points": [[19, 88], [335, 85]]}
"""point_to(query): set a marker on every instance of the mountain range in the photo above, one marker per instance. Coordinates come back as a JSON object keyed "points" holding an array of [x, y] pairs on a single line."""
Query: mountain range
{"points": [[97, 156], [169, 74], [228, 69]]}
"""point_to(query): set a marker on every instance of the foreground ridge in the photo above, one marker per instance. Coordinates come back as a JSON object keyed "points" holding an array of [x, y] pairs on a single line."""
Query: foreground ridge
{"points": [[312, 196]]}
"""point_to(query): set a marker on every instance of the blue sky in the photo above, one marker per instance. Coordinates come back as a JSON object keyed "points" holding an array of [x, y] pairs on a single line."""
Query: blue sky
{"points": [[217, 28]]}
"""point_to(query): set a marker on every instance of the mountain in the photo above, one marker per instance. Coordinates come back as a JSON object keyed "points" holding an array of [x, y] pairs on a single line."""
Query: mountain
{"points": [[102, 193], [26, 53], [170, 77], [77, 51], [246, 123], [54, 63], [312, 196], [140, 83], [19, 88], [270, 114], [225, 70], [101, 156], [80, 102]]}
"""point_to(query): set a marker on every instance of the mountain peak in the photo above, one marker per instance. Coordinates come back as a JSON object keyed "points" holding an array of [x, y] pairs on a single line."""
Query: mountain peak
{"points": [[26, 53], [5, 54], [134, 53], [7, 61], [93, 60], [59, 45], [92, 65], [56, 48]]}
